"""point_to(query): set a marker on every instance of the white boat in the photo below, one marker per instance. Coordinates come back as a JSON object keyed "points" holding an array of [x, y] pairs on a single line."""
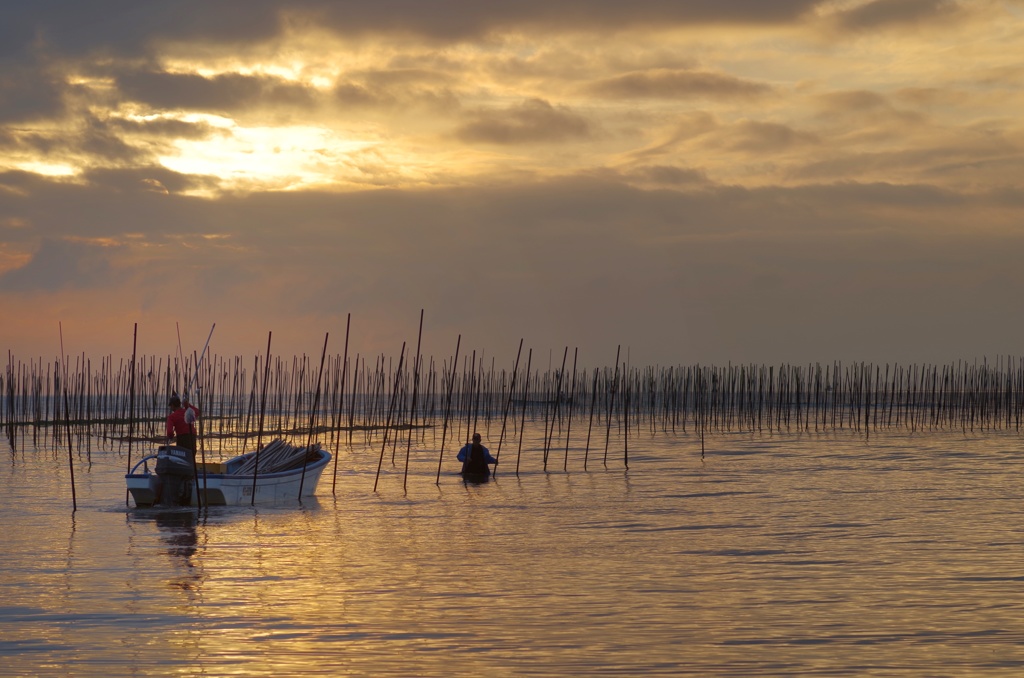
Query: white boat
{"points": [[284, 472]]}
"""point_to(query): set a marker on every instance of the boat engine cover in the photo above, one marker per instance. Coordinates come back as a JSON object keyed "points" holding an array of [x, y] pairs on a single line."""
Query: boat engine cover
{"points": [[175, 461]]}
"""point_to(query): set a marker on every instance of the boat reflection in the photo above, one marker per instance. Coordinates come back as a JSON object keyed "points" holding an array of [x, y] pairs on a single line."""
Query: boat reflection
{"points": [[178, 531]]}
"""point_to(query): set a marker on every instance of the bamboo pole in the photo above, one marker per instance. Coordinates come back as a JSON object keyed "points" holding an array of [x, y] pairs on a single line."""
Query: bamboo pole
{"points": [[448, 407], [391, 408], [611, 403], [67, 422], [526, 394], [263, 407], [341, 403], [312, 418], [131, 407], [508, 403], [412, 406]]}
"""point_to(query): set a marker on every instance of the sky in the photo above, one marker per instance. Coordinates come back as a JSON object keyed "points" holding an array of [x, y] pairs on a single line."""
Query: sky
{"points": [[694, 181]]}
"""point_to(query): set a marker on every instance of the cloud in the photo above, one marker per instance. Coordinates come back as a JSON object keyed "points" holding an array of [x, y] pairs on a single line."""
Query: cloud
{"points": [[145, 179], [590, 260], [765, 137], [88, 140], [722, 178], [867, 106], [28, 93], [72, 28], [465, 19], [667, 175], [675, 84], [533, 121], [63, 264], [117, 27], [163, 127], [226, 92], [895, 13]]}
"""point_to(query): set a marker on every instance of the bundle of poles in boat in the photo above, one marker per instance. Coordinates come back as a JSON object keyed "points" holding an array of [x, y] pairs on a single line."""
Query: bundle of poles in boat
{"points": [[277, 456]]}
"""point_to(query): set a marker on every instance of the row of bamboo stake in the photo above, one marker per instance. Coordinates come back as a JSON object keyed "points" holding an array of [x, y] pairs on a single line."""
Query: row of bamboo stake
{"points": [[358, 393]]}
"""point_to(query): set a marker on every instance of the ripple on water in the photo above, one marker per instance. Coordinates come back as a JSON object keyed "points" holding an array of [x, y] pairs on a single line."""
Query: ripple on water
{"points": [[800, 555]]}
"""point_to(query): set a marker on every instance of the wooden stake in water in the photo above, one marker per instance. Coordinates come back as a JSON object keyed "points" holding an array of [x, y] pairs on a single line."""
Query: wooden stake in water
{"points": [[391, 411], [131, 406], [448, 407], [263, 409], [611, 404], [412, 406], [522, 423], [199, 440], [508, 403], [312, 416], [558, 401], [67, 422], [590, 427], [341, 402], [572, 406], [468, 400]]}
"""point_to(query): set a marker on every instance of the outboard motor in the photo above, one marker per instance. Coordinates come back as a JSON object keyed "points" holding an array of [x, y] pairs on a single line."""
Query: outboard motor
{"points": [[176, 468]]}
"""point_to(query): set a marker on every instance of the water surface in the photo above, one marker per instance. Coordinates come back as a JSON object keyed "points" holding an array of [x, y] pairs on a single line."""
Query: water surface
{"points": [[774, 555]]}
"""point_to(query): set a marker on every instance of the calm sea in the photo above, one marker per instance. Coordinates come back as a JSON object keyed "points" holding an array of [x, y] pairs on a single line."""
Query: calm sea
{"points": [[785, 555]]}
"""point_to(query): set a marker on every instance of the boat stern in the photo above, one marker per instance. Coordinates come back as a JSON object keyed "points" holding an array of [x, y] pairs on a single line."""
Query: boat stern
{"points": [[144, 488]]}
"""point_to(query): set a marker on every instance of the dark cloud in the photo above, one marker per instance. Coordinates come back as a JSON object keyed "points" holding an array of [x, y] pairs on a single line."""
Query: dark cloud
{"points": [[462, 19], [125, 27], [976, 161], [147, 179], [860, 102], [407, 77], [667, 175], [675, 84], [104, 204], [164, 127], [219, 93], [765, 137], [129, 27], [530, 122], [587, 260], [99, 139], [63, 264], [857, 101], [28, 94], [399, 89], [354, 95], [884, 13]]}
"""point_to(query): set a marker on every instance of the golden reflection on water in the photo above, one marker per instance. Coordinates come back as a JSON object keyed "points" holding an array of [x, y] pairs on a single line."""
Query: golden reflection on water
{"points": [[777, 555]]}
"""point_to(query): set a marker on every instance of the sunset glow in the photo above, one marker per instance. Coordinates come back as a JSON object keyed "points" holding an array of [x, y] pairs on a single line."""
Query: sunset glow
{"points": [[645, 175]]}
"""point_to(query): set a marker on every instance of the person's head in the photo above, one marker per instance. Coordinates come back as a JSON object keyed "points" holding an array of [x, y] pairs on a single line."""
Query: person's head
{"points": [[476, 437], [174, 403]]}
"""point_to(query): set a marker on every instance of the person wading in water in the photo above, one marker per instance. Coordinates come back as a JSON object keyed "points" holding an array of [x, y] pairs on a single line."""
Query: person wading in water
{"points": [[475, 458]]}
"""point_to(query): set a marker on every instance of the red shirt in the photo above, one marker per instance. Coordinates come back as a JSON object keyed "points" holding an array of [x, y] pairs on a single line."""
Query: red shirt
{"points": [[176, 424]]}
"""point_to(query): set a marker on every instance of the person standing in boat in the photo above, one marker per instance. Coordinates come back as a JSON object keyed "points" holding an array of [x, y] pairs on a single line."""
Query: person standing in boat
{"points": [[178, 426], [475, 458]]}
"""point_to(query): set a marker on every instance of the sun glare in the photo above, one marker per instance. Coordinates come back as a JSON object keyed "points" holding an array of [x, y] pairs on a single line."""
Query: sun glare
{"points": [[48, 169], [280, 158]]}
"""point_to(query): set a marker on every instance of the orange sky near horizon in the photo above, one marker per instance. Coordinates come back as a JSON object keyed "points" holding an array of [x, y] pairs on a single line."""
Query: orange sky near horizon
{"points": [[796, 181]]}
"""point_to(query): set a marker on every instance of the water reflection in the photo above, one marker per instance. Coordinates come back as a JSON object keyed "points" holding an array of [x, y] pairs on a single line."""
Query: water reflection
{"points": [[178, 532], [787, 556]]}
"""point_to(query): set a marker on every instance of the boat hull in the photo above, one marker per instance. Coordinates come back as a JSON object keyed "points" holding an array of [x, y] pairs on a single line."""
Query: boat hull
{"points": [[228, 489]]}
